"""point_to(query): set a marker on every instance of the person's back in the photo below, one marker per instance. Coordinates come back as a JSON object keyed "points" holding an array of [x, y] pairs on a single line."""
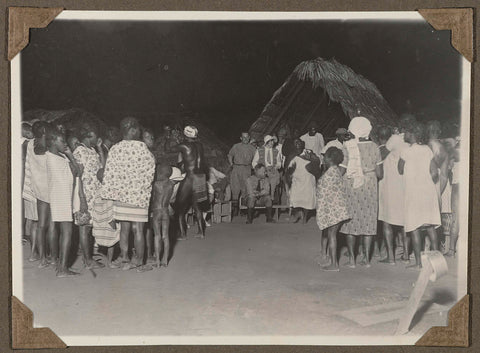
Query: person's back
{"points": [[162, 192]]}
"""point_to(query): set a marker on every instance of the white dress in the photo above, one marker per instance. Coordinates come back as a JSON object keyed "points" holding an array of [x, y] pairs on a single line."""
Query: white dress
{"points": [[391, 193], [422, 206], [60, 187], [302, 193]]}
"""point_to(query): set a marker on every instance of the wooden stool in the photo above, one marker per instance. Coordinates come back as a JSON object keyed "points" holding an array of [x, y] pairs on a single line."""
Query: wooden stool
{"points": [[222, 212]]}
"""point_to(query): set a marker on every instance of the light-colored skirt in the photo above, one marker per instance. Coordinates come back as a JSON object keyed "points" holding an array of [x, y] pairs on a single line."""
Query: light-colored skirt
{"points": [[30, 208], [129, 213]]}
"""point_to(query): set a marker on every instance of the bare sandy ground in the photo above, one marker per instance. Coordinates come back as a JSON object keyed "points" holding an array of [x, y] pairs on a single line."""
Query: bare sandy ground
{"points": [[258, 279]]}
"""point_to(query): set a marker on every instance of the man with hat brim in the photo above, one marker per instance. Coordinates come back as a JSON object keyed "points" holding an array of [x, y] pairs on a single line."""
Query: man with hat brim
{"points": [[342, 136], [240, 158], [192, 191], [271, 159]]}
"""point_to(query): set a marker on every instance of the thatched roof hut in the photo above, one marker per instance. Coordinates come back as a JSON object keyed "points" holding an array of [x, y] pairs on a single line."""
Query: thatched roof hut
{"points": [[325, 92]]}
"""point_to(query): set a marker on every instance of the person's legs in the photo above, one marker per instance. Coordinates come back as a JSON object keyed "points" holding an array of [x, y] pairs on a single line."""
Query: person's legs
{"points": [[406, 246], [235, 187], [351, 248], [268, 202], [332, 247], [139, 242], [125, 228], [304, 215], [53, 242], [417, 247], [43, 209], [433, 235], [157, 239], [250, 208], [33, 241], [183, 203], [200, 220], [166, 241], [388, 236], [65, 244], [149, 240], [110, 263], [367, 246]]}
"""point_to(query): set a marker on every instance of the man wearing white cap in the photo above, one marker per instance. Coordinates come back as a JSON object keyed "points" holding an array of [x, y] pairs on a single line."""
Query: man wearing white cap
{"points": [[271, 159], [192, 191]]}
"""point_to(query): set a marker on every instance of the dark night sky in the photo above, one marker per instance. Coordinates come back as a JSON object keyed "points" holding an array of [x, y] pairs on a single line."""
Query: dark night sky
{"points": [[227, 71]]}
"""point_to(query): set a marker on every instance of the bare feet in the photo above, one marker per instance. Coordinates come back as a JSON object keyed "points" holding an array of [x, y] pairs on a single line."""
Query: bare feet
{"points": [[144, 268], [333, 268], [350, 264], [43, 264], [113, 265], [450, 253], [93, 265], [159, 264], [66, 273], [387, 261], [414, 267], [33, 258]]}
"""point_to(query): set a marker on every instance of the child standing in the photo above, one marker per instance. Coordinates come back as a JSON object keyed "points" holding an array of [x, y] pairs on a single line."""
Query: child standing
{"points": [[162, 193], [60, 173], [149, 139], [36, 188], [91, 162], [332, 206]]}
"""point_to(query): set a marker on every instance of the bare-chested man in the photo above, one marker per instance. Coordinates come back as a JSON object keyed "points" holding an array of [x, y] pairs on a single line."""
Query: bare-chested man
{"points": [[192, 191]]}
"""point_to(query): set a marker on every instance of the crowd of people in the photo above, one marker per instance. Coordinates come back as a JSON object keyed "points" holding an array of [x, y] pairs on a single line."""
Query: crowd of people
{"points": [[110, 184], [386, 195]]}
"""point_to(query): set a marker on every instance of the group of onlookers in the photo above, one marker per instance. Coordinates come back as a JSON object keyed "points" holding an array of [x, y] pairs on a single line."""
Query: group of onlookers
{"points": [[408, 182], [109, 185]]}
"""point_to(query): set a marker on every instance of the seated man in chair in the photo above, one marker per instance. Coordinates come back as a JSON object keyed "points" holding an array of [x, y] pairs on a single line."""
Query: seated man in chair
{"points": [[258, 193]]}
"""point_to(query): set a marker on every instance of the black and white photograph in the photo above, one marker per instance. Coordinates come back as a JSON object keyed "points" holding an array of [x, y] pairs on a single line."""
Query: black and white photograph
{"points": [[240, 178]]}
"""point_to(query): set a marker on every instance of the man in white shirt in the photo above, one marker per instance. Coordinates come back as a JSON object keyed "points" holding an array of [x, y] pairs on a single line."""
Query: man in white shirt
{"points": [[271, 158], [313, 140]]}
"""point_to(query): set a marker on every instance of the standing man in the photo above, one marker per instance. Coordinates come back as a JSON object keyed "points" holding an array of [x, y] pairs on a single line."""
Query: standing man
{"points": [[192, 191], [313, 140], [271, 159], [129, 173], [240, 158]]}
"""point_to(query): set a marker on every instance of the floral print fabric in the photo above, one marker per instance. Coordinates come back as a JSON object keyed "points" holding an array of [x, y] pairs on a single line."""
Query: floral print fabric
{"points": [[129, 174]]}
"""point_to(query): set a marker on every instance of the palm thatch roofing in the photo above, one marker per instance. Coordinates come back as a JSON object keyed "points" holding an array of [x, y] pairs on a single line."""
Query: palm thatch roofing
{"points": [[324, 92]]}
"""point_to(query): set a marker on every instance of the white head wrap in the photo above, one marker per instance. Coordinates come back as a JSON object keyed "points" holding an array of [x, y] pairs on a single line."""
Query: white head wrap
{"points": [[360, 127], [190, 131]]}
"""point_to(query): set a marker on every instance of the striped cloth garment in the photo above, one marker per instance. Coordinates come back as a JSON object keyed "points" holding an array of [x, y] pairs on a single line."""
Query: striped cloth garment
{"points": [[102, 215]]}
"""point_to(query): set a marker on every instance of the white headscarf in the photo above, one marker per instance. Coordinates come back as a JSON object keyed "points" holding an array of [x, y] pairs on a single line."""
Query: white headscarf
{"points": [[360, 127], [190, 131]]}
